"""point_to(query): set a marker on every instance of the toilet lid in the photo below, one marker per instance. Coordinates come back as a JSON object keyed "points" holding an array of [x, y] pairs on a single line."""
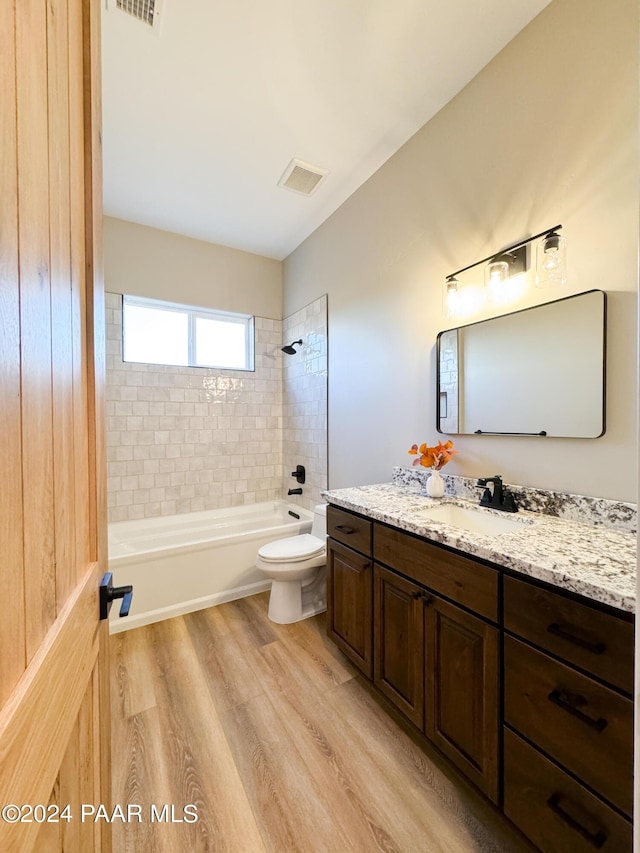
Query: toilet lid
{"points": [[292, 549]]}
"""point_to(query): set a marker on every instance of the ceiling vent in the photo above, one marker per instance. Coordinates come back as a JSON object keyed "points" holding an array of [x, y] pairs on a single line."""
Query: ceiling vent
{"points": [[146, 11], [302, 177]]}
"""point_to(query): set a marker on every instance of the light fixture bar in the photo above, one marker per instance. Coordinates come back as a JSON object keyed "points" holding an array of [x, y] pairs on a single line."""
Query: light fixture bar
{"points": [[544, 233]]}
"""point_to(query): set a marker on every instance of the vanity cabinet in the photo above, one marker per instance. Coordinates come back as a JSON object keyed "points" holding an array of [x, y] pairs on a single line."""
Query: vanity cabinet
{"points": [[415, 620], [438, 664], [450, 635], [568, 716], [527, 690], [350, 587]]}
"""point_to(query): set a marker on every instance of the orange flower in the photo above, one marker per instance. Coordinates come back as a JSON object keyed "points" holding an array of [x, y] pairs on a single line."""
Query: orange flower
{"points": [[433, 457]]}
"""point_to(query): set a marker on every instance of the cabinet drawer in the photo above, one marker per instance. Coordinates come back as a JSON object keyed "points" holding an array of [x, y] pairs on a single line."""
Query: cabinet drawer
{"points": [[465, 581], [350, 529], [596, 641], [581, 724], [553, 810]]}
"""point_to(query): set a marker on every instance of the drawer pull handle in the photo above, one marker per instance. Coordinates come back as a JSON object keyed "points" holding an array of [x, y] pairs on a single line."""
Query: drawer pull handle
{"points": [[572, 702], [559, 631], [347, 530], [596, 839]]}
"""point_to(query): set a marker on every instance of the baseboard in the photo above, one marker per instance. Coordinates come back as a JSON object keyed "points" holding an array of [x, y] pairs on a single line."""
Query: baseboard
{"points": [[182, 607]]}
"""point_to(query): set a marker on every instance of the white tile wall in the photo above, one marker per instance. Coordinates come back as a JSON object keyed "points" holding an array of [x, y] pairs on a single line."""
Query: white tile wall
{"points": [[183, 439], [305, 401]]}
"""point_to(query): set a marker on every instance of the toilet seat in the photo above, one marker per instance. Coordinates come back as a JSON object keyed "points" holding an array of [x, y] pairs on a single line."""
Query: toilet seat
{"points": [[293, 549]]}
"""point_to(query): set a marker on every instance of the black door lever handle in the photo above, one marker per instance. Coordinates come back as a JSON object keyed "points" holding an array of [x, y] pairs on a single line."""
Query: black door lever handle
{"points": [[109, 592]]}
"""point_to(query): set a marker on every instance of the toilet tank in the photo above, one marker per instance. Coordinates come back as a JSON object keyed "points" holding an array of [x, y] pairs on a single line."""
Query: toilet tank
{"points": [[319, 527]]}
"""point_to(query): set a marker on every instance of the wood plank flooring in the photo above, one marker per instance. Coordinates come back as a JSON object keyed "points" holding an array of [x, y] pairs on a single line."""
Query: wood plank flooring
{"points": [[279, 743]]}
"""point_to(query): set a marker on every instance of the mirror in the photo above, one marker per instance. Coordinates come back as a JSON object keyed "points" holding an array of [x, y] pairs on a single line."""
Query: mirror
{"points": [[539, 371]]}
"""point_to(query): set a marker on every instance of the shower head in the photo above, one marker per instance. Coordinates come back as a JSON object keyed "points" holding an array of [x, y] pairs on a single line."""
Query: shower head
{"points": [[290, 348]]}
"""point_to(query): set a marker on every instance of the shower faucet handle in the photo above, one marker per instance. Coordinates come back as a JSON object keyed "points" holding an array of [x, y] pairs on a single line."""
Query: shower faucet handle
{"points": [[299, 474]]}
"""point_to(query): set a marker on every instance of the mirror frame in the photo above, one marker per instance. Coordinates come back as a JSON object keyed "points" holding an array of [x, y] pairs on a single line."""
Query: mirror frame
{"points": [[522, 311]]}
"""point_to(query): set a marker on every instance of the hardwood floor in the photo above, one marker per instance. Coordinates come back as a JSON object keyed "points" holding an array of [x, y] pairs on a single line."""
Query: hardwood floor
{"points": [[270, 732]]}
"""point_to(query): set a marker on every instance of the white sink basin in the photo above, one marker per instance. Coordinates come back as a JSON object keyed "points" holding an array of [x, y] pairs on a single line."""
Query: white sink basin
{"points": [[475, 520]]}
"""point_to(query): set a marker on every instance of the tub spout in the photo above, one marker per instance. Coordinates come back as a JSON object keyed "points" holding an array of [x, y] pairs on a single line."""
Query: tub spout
{"points": [[294, 492]]}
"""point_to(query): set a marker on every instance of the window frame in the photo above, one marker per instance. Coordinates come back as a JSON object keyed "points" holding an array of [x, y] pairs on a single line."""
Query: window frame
{"points": [[194, 313]]}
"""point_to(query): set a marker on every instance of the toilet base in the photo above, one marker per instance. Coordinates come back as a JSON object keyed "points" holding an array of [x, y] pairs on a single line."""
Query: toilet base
{"points": [[290, 601]]}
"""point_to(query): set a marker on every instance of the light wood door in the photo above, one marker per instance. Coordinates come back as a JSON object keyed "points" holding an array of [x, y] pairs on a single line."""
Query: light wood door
{"points": [[54, 728]]}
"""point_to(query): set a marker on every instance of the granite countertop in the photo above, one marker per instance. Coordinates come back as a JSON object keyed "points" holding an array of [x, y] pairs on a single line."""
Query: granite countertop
{"points": [[593, 561]]}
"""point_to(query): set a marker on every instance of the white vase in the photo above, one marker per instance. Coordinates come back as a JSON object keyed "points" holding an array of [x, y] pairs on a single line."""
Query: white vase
{"points": [[435, 485]]}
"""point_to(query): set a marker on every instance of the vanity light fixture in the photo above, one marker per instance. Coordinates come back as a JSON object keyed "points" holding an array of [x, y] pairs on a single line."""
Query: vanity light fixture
{"points": [[551, 257], [500, 275], [496, 273], [451, 297], [504, 266], [461, 301]]}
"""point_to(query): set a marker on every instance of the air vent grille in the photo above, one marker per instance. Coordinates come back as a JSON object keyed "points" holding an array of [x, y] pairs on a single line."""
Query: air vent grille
{"points": [[301, 177], [144, 10]]}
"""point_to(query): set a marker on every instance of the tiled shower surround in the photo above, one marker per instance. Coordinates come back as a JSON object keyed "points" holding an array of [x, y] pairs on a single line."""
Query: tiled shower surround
{"points": [[305, 401], [182, 439]]}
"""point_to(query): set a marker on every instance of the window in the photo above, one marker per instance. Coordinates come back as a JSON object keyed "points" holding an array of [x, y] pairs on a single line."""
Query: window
{"points": [[156, 332]]}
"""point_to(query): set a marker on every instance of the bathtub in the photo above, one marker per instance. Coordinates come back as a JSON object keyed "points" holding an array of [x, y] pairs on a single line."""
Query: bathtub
{"points": [[181, 563]]}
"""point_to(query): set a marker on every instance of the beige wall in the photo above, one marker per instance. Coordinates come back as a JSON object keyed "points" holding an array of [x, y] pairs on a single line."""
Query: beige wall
{"points": [[547, 133], [147, 262]]}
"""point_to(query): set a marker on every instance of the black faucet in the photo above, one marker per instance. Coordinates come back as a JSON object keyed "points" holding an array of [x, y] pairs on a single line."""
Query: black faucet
{"points": [[299, 474], [294, 492], [499, 499]]}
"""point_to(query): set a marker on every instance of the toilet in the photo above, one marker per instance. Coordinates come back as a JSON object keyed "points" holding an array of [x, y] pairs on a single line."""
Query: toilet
{"points": [[297, 567]]}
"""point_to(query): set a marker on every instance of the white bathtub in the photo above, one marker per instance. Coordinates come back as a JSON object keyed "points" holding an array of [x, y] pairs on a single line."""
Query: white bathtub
{"points": [[181, 563]]}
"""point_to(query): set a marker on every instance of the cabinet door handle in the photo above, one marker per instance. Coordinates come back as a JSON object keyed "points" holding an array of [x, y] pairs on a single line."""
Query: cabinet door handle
{"points": [[596, 839], [347, 530], [559, 631], [571, 703]]}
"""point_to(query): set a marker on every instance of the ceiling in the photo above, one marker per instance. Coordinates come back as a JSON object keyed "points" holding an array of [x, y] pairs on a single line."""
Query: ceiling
{"points": [[202, 116]]}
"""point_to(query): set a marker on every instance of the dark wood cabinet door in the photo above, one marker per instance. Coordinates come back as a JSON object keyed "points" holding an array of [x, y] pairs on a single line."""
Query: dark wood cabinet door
{"points": [[399, 642], [350, 604], [462, 688]]}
